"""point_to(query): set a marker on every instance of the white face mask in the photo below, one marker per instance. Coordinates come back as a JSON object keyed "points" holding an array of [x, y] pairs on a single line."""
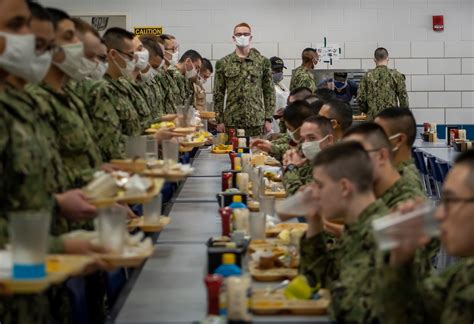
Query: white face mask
{"points": [[311, 149], [20, 59], [75, 64], [126, 72], [174, 58], [242, 41], [201, 80], [191, 74], [292, 134], [100, 71], [143, 57], [149, 75]]}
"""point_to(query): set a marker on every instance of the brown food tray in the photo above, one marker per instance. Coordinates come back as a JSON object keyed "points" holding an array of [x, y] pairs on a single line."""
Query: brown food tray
{"points": [[185, 130], [139, 199], [58, 268], [184, 149], [129, 165], [168, 175], [192, 144], [129, 261], [272, 232], [269, 243], [207, 114], [270, 275], [276, 303], [151, 227]]}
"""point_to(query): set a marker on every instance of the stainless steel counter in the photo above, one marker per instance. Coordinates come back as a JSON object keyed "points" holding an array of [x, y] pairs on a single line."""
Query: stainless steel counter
{"points": [[170, 288]]}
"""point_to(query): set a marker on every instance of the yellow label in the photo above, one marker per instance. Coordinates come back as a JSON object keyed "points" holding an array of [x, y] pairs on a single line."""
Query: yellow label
{"points": [[153, 30]]}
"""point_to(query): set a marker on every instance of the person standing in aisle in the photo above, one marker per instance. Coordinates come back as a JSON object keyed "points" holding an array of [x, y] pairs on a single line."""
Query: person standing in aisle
{"points": [[199, 91], [381, 87], [302, 76], [281, 91], [245, 76]]}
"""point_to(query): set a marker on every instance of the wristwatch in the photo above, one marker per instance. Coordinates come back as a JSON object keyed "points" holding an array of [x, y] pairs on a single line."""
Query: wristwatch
{"points": [[290, 167]]}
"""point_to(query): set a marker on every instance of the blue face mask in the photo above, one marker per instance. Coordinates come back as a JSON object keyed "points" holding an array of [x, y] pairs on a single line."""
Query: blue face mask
{"points": [[277, 77], [340, 85]]}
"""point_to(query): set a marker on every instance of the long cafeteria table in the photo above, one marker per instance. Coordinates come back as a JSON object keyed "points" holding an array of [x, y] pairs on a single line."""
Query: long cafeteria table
{"points": [[170, 287]]}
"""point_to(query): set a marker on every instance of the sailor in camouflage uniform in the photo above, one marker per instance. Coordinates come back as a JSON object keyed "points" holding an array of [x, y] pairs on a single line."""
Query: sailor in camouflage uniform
{"points": [[447, 297], [316, 134], [303, 75], [381, 87], [121, 58], [245, 76], [346, 267], [400, 126], [185, 73]]}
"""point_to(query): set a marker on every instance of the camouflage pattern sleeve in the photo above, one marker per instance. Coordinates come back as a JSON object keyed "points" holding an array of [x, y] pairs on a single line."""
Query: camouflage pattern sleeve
{"points": [[268, 89], [303, 78], [279, 147], [362, 95], [318, 260], [409, 172], [401, 191], [401, 89], [295, 179], [56, 245], [219, 91], [444, 298], [101, 104], [138, 101]]}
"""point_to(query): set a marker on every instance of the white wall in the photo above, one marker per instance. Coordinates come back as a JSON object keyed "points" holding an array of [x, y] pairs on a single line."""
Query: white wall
{"points": [[439, 66]]}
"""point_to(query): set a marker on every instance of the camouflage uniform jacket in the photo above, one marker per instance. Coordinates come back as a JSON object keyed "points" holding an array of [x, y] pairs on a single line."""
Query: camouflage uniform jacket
{"points": [[171, 93], [298, 177], [381, 88], [74, 131], [184, 85], [444, 298], [250, 91], [347, 268], [149, 93], [303, 78], [157, 92], [129, 119], [138, 100], [280, 146], [408, 171], [101, 104], [401, 191]]}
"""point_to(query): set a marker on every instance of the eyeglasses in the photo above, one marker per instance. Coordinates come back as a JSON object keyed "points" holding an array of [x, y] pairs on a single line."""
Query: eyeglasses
{"points": [[448, 202], [242, 34], [129, 55]]}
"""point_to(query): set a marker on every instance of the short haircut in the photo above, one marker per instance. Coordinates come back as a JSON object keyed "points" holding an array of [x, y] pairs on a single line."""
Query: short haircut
{"points": [[380, 54], [167, 37], [373, 133], [296, 113], [114, 37], [322, 122], [325, 94], [39, 12], [57, 15], [305, 55], [84, 28], [243, 24], [206, 65], [301, 93], [317, 105], [467, 159], [401, 120], [341, 112], [191, 54], [340, 75], [151, 44], [347, 160]]}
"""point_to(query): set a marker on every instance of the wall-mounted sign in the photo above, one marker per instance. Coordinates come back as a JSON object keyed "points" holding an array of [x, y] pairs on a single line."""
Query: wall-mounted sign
{"points": [[153, 30], [103, 22], [328, 53]]}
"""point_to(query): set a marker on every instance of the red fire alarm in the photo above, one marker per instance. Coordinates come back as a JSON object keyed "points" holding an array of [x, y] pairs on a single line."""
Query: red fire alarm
{"points": [[438, 23]]}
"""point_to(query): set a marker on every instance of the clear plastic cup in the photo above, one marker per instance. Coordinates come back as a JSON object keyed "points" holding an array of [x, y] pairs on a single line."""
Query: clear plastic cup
{"points": [[391, 230], [257, 223], [29, 233], [152, 210], [267, 205], [112, 228], [170, 150], [298, 205], [151, 149], [136, 147]]}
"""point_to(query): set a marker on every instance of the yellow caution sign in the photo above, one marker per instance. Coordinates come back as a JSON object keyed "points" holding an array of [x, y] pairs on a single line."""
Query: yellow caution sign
{"points": [[153, 30]]}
